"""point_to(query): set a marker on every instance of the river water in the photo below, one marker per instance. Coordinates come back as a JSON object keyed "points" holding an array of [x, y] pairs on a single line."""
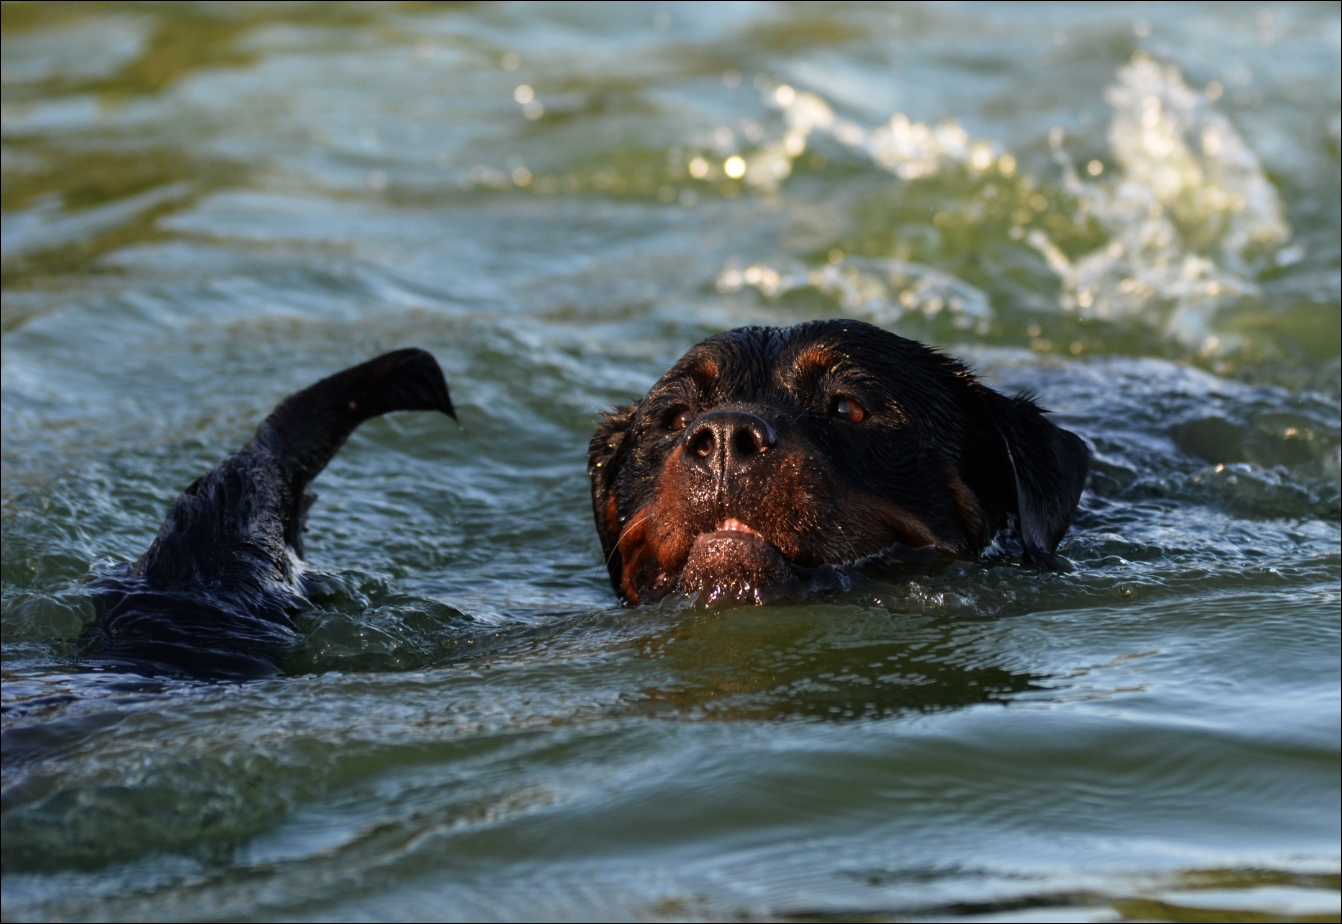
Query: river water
{"points": [[1133, 211]]}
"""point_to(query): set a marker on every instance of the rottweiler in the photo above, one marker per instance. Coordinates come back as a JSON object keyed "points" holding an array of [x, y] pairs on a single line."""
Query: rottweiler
{"points": [[767, 464], [768, 458]]}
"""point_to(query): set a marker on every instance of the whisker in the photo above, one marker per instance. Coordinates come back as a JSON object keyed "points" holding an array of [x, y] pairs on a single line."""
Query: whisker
{"points": [[849, 542], [643, 515]]}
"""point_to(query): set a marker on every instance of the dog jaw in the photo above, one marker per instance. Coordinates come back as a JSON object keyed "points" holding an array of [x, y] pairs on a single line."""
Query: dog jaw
{"points": [[736, 564]]}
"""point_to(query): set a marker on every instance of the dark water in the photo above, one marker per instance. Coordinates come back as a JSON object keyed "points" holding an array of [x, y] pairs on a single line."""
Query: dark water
{"points": [[1133, 211]]}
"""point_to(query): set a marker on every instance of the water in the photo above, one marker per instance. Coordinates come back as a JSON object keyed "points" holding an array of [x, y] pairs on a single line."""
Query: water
{"points": [[1133, 211]]}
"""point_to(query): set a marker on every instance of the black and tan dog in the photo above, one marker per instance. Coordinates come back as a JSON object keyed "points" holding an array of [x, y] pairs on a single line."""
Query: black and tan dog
{"points": [[768, 456], [769, 463]]}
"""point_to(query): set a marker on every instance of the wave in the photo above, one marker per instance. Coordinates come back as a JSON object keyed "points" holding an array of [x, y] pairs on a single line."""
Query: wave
{"points": [[879, 290], [1189, 216]]}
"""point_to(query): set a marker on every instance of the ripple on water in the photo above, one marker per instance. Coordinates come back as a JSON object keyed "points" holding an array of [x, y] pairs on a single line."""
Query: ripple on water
{"points": [[205, 212]]}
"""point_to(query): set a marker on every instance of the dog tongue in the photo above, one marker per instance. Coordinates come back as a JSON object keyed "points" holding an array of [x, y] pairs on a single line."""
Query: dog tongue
{"points": [[735, 563]]}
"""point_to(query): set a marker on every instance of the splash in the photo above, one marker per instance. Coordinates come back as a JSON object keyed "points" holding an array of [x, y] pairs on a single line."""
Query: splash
{"points": [[1191, 217], [881, 291], [911, 150]]}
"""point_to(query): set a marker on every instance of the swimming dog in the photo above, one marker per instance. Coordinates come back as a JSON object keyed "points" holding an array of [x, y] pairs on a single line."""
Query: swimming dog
{"points": [[770, 460], [767, 464]]}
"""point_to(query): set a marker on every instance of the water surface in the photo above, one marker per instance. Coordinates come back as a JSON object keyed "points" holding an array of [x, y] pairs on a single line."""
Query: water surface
{"points": [[1132, 211]]}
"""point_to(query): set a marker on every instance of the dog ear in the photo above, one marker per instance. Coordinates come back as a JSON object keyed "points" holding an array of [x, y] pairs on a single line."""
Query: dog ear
{"points": [[1049, 466], [605, 455]]}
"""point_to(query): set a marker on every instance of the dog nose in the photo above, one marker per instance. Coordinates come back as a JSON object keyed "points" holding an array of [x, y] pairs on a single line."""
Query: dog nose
{"points": [[725, 442]]}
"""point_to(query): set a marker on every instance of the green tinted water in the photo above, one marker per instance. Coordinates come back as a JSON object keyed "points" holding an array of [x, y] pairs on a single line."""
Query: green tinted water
{"points": [[1133, 211]]}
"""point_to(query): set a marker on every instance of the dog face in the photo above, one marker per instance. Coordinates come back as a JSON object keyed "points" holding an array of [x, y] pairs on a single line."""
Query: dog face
{"points": [[767, 453]]}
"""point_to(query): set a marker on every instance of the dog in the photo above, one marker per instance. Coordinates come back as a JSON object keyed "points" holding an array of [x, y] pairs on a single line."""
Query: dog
{"points": [[767, 464], [769, 461]]}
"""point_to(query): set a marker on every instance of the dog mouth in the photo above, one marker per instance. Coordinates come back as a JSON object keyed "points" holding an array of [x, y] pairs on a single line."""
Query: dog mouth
{"points": [[733, 525], [733, 562]]}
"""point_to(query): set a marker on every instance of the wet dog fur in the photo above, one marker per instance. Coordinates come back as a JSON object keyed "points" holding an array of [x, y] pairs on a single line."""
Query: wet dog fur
{"points": [[214, 594], [767, 464], [766, 454]]}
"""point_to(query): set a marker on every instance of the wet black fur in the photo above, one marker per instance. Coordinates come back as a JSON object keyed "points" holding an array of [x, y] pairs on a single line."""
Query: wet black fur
{"points": [[214, 593], [929, 415]]}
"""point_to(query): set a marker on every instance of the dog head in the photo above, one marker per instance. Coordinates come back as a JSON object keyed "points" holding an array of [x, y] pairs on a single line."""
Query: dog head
{"points": [[766, 453]]}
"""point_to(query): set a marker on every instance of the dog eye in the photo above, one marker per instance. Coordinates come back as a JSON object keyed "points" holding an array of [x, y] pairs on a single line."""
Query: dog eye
{"points": [[680, 420], [848, 409]]}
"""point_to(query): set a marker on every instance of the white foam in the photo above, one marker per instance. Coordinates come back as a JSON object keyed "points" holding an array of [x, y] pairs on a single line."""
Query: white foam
{"points": [[909, 149], [878, 290], [1191, 217]]}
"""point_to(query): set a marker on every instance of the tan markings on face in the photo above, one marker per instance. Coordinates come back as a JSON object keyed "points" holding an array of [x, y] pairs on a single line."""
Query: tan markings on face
{"points": [[971, 512], [612, 517], [704, 371], [814, 360], [791, 505], [634, 555], [784, 509], [651, 546], [669, 508]]}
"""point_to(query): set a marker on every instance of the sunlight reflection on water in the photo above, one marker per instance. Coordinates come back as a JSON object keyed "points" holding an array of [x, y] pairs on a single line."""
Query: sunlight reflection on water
{"points": [[1133, 213]]}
